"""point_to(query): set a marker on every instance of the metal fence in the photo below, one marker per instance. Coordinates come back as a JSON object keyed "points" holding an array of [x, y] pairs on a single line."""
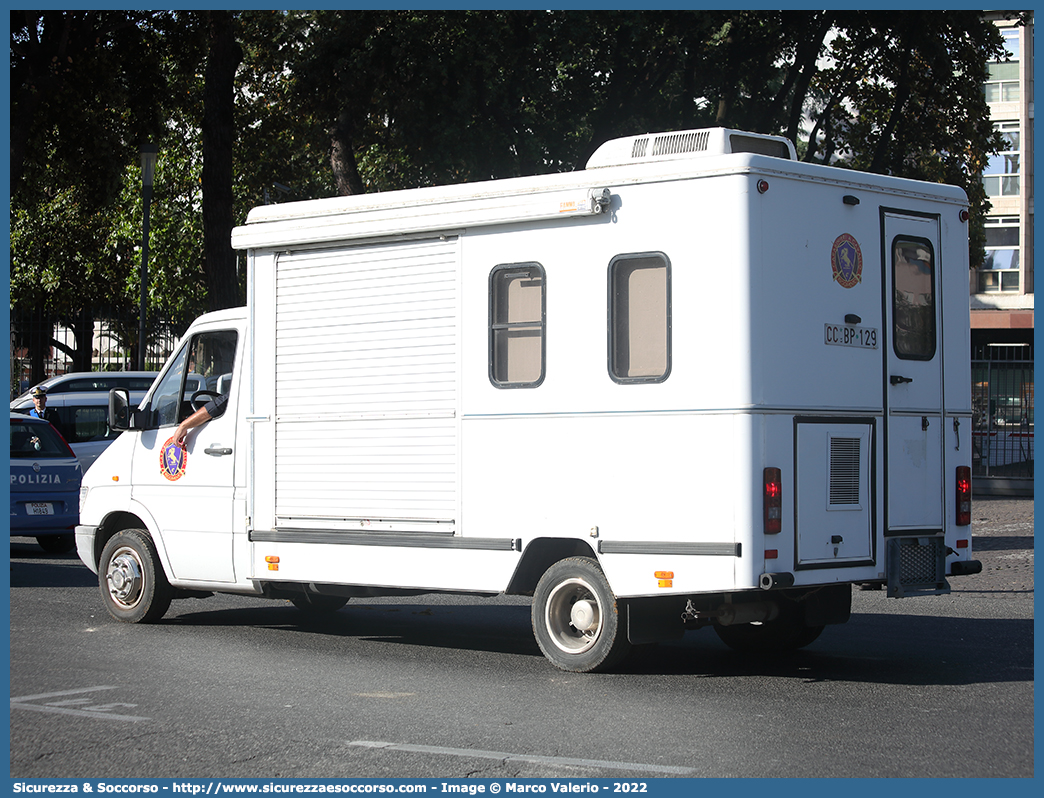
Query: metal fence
{"points": [[45, 344], [1002, 427]]}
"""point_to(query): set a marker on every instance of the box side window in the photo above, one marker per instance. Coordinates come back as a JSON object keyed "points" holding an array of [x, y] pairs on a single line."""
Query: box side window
{"points": [[640, 317], [913, 299], [517, 308]]}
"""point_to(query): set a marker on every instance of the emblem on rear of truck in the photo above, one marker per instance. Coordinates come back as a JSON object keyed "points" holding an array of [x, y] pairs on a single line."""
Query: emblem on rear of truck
{"points": [[173, 460], [847, 261]]}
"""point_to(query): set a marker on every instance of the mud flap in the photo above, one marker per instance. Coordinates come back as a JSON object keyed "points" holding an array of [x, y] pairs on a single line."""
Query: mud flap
{"points": [[651, 620]]}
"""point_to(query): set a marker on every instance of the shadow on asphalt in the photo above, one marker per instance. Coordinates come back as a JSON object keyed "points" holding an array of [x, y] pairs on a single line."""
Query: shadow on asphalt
{"points": [[32, 567], [871, 648], [884, 648]]}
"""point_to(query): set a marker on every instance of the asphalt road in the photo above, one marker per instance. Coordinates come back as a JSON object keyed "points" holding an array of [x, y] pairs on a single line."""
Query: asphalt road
{"points": [[441, 687]]}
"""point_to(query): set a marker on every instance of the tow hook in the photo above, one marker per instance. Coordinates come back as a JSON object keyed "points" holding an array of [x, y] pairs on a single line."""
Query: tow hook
{"points": [[729, 614]]}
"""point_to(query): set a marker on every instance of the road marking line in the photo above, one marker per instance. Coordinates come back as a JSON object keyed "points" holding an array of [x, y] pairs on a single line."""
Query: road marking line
{"points": [[508, 757], [64, 692], [83, 713], [61, 707]]}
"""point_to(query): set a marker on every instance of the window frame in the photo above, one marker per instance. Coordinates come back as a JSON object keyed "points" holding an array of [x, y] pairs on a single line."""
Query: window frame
{"points": [[177, 372], [612, 331], [907, 239], [1008, 224], [495, 325], [1005, 89], [1002, 176]]}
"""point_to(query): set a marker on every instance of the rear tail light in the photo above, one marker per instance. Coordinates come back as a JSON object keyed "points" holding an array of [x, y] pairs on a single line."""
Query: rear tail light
{"points": [[772, 496], [963, 495]]}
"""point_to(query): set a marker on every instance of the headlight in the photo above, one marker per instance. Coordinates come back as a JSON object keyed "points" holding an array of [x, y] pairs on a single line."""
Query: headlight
{"points": [[83, 497]]}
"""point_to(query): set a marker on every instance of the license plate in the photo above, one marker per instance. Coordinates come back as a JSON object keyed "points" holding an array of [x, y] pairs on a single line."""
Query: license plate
{"points": [[40, 508], [851, 335]]}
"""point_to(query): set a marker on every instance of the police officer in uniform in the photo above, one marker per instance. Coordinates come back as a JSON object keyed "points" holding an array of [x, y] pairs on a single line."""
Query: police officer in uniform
{"points": [[41, 410]]}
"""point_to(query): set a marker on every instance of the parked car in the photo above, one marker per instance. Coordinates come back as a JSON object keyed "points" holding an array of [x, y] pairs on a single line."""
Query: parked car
{"points": [[82, 400], [45, 484], [88, 382]]}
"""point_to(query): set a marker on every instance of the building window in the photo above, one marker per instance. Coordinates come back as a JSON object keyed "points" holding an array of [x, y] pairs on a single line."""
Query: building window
{"points": [[517, 307], [913, 299], [640, 317], [1000, 269], [1003, 83], [1001, 177]]}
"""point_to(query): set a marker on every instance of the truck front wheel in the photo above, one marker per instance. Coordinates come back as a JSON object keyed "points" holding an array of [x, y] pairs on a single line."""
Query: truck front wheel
{"points": [[575, 618], [133, 586]]}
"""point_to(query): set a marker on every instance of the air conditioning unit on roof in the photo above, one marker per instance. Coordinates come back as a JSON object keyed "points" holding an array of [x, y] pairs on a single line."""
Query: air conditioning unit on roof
{"points": [[688, 144]]}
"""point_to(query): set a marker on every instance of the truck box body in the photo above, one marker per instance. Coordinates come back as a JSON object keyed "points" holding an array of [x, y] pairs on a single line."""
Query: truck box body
{"points": [[451, 389]]}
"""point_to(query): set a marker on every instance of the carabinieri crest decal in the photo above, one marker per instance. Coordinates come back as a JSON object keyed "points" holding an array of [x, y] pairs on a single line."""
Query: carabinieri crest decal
{"points": [[847, 261], [173, 460]]}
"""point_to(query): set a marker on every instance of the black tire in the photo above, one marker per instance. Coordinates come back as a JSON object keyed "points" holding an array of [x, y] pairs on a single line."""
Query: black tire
{"points": [[57, 544], [576, 620], [787, 632], [317, 604], [133, 586]]}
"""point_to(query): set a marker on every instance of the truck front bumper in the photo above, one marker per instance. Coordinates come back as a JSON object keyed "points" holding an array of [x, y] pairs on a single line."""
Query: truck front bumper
{"points": [[85, 545]]}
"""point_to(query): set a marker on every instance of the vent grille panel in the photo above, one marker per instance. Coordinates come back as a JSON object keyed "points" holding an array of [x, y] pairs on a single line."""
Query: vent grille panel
{"points": [[674, 144], [844, 471]]}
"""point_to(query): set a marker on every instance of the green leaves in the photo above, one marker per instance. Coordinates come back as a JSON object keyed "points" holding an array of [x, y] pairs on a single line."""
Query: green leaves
{"points": [[374, 100]]}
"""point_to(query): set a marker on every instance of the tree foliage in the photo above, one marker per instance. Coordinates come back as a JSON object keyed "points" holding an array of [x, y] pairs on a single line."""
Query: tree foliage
{"points": [[256, 106]]}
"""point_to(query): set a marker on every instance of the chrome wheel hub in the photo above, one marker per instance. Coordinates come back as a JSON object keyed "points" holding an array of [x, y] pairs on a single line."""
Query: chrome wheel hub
{"points": [[573, 616], [124, 578]]}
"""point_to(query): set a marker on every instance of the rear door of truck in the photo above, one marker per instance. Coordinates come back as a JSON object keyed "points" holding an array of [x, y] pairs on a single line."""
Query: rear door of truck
{"points": [[913, 374]]}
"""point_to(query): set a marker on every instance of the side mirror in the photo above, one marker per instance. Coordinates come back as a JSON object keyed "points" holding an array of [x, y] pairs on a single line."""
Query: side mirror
{"points": [[119, 409]]}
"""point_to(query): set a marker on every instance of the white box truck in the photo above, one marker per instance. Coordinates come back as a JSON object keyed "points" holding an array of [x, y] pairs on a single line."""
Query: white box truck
{"points": [[696, 383]]}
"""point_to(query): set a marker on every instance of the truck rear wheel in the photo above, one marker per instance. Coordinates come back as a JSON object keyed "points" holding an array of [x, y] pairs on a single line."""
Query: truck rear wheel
{"points": [[133, 586], [575, 618]]}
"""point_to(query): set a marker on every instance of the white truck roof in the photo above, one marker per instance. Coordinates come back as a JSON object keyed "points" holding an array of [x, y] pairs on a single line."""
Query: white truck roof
{"points": [[679, 155]]}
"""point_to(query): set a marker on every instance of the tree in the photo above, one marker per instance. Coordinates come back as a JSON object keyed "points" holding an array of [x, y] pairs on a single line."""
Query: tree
{"points": [[904, 96], [88, 88], [259, 106], [81, 89], [81, 83], [223, 57]]}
